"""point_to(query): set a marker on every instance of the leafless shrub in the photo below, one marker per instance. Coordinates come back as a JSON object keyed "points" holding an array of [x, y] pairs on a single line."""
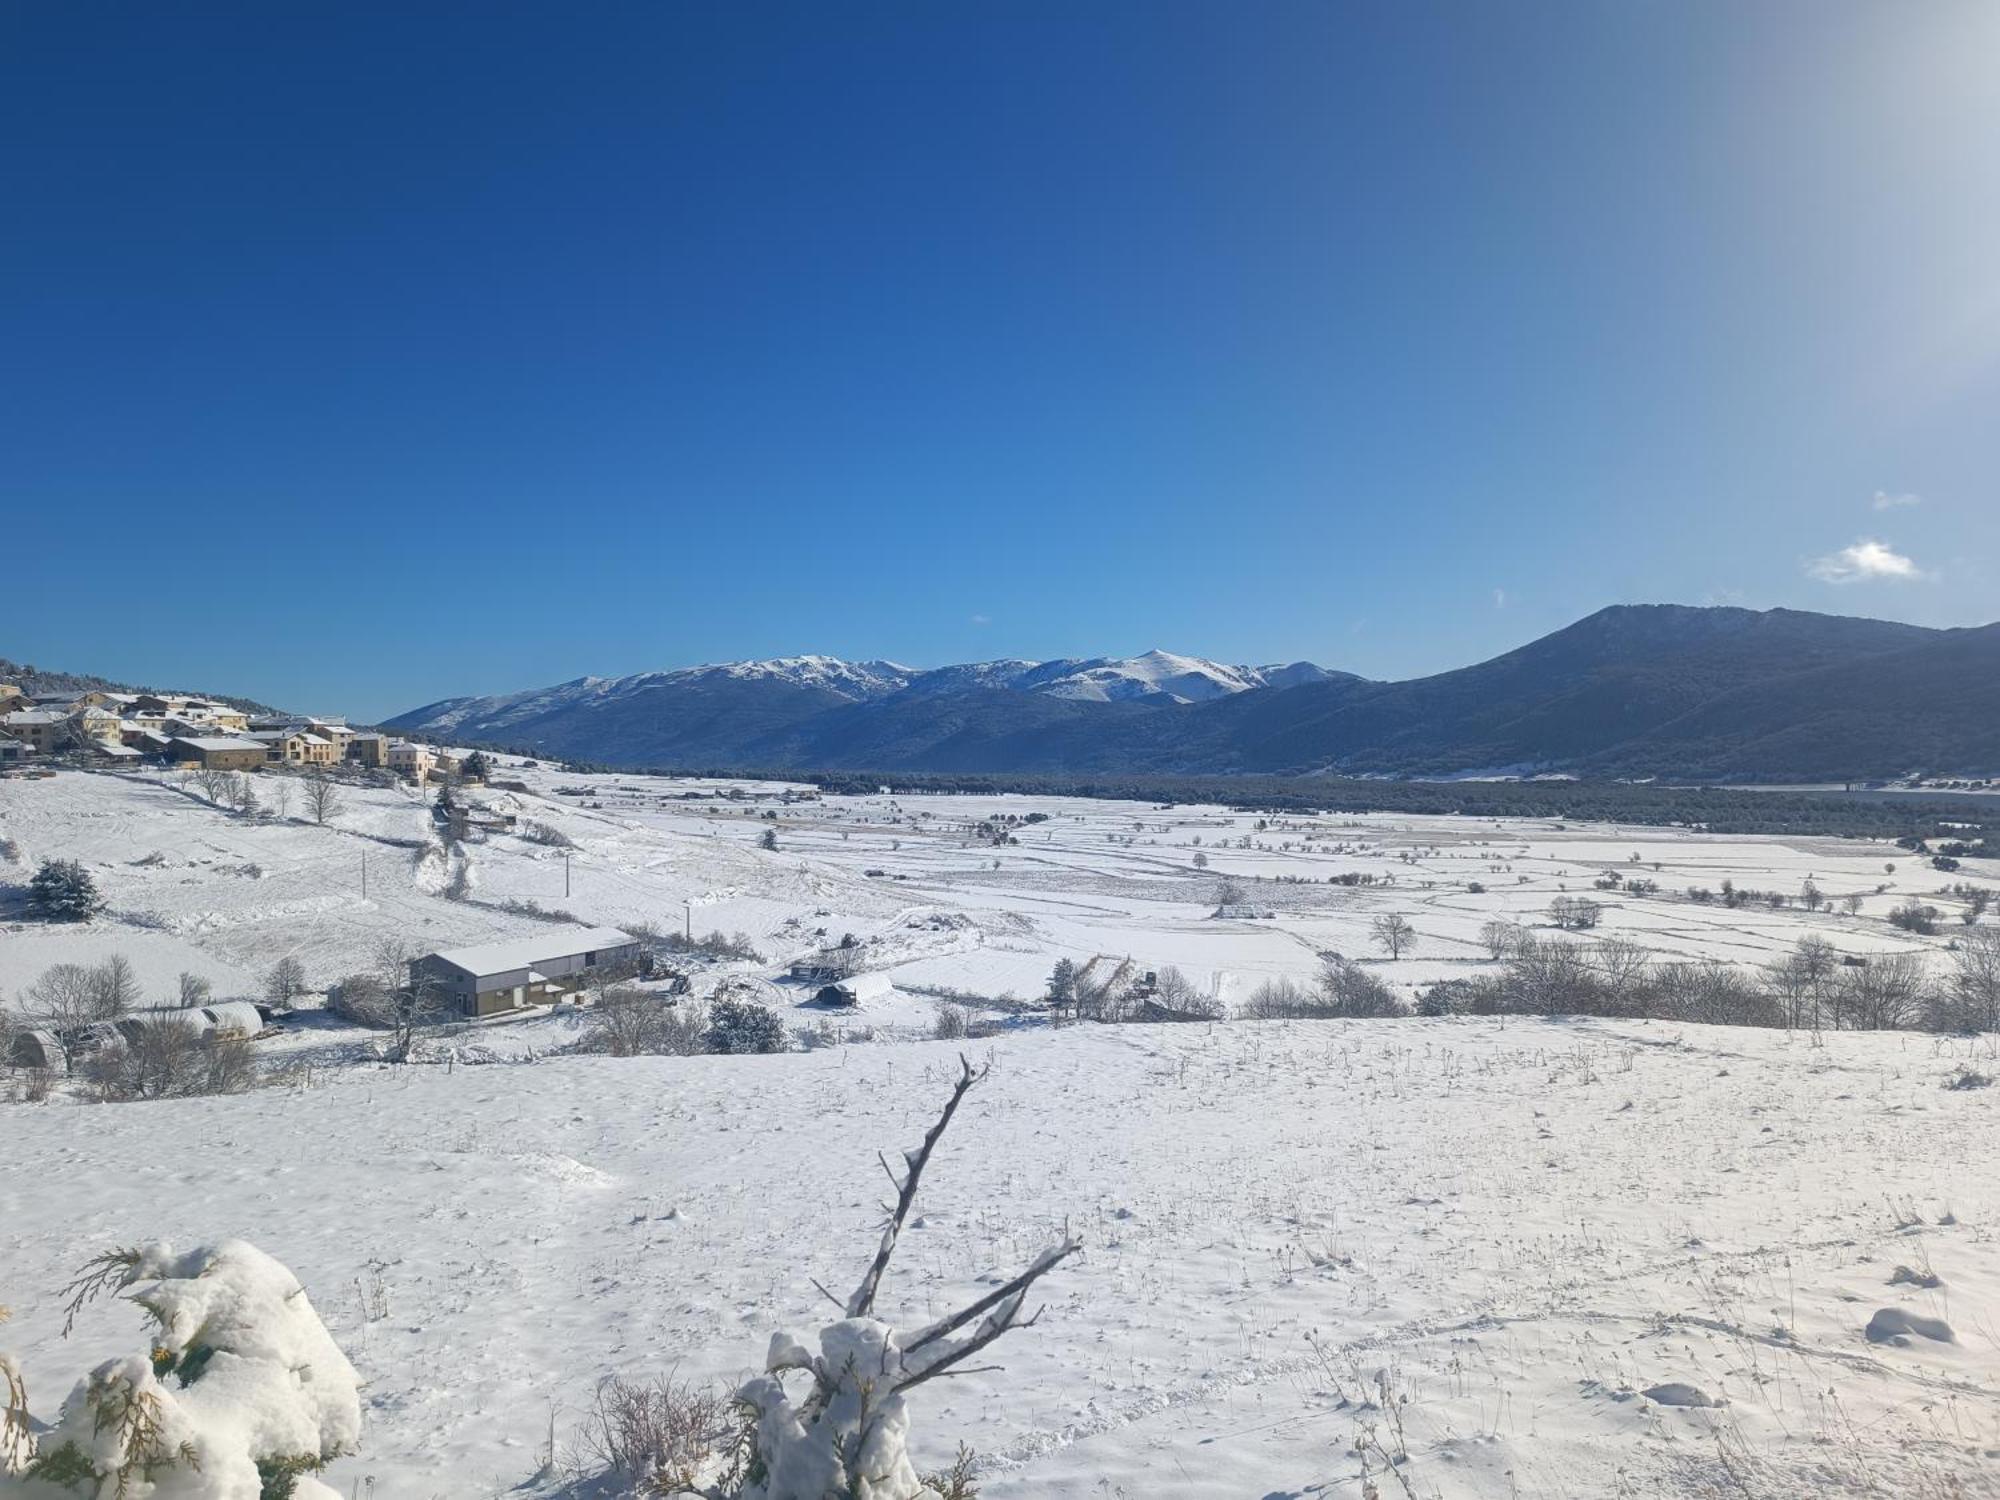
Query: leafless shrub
{"points": [[1887, 993], [1347, 989], [1175, 992], [390, 1000], [951, 1023], [516, 906], [1916, 917], [1282, 999], [171, 1061], [629, 1022], [656, 1437], [1716, 993], [546, 834], [715, 945]]}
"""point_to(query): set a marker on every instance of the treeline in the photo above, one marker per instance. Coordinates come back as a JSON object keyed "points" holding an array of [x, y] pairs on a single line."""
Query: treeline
{"points": [[1811, 988], [1918, 815]]}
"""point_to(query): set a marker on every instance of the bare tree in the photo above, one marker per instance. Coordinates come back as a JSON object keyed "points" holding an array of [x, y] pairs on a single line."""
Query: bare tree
{"points": [[68, 997], [322, 794], [194, 990], [849, 1425], [392, 961], [401, 1008], [286, 982], [1393, 934], [242, 794], [1501, 938], [1177, 993], [213, 782], [116, 985], [281, 796], [1971, 1000], [1888, 992], [1575, 913], [1804, 975]]}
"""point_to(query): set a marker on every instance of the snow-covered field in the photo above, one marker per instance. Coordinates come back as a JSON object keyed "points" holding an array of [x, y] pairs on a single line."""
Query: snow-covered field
{"points": [[191, 887], [1474, 1241], [1512, 1228]]}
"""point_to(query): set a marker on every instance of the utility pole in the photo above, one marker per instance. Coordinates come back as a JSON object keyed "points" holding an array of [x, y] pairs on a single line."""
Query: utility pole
{"points": [[687, 906], [364, 877], [565, 874]]}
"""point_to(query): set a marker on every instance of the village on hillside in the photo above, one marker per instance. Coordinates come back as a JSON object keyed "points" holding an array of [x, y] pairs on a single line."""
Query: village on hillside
{"points": [[114, 728]]}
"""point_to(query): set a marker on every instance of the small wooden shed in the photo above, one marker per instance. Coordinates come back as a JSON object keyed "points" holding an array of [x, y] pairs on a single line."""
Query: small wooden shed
{"points": [[854, 990]]}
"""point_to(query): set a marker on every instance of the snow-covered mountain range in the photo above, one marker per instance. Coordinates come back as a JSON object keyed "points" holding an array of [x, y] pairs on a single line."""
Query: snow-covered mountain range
{"points": [[1159, 677], [1633, 690]]}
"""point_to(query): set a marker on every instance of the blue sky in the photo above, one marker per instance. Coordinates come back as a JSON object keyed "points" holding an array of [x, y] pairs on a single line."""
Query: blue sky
{"points": [[357, 355]]}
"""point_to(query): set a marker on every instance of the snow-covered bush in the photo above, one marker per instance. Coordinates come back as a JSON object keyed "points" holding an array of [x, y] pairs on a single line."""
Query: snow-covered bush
{"points": [[244, 1395], [742, 1026], [831, 1419]]}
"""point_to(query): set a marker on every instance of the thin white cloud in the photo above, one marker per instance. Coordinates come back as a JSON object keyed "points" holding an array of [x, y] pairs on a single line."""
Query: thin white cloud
{"points": [[982, 619], [1866, 561], [1889, 500], [1499, 598]]}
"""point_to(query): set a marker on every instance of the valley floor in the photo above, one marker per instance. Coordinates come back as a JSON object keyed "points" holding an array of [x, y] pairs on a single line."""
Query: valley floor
{"points": [[1468, 1246]]}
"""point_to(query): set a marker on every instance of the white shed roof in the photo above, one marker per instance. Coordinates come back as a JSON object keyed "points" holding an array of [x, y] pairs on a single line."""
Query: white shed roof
{"points": [[224, 742], [860, 987], [235, 1015], [193, 1018], [525, 953]]}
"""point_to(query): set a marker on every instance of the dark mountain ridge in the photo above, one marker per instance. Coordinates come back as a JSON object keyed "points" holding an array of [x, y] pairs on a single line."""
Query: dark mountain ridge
{"points": [[1631, 691]]}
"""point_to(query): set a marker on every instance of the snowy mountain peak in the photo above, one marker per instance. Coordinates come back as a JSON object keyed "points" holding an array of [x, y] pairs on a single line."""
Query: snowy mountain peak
{"points": [[1156, 677], [850, 679], [1168, 676]]}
